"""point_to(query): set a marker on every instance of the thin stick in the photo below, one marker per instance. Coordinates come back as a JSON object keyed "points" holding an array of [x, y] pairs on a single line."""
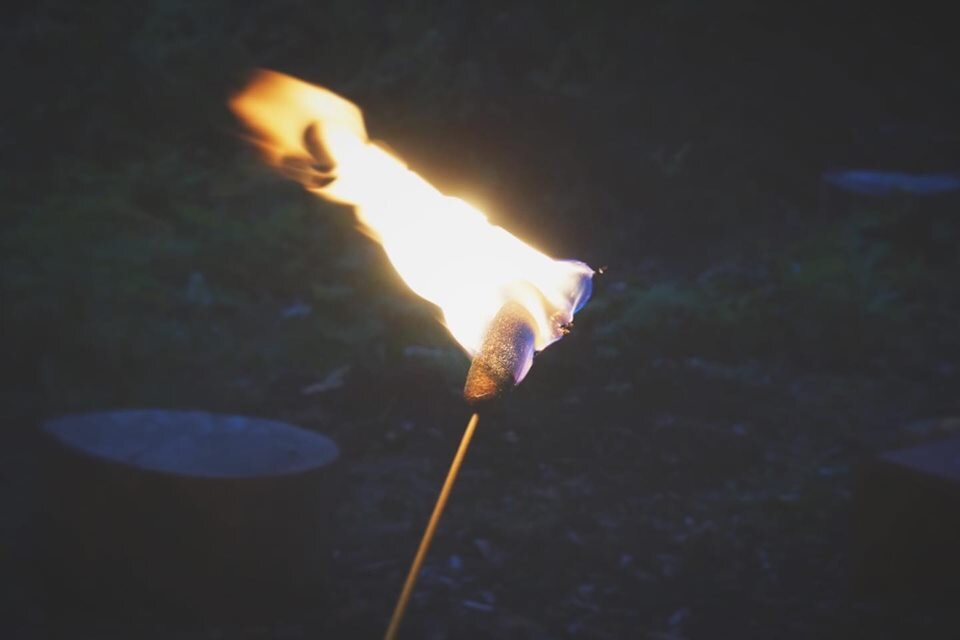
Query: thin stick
{"points": [[414, 572]]}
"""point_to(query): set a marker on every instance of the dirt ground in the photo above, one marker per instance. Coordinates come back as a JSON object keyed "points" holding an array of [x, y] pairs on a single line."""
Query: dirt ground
{"points": [[692, 500]]}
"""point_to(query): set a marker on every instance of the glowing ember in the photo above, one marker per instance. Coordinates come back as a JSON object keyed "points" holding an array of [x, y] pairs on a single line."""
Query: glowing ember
{"points": [[444, 249]]}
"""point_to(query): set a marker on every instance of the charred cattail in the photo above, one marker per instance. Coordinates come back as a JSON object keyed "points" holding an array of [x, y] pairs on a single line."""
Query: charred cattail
{"points": [[505, 355]]}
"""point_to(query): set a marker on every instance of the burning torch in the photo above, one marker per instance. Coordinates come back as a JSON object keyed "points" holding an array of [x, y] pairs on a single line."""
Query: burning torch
{"points": [[501, 299]]}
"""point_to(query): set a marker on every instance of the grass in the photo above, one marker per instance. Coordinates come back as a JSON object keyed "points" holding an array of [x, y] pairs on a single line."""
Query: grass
{"points": [[173, 263]]}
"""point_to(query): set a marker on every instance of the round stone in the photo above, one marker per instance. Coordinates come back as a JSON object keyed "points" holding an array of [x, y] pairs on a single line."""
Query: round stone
{"points": [[195, 443]]}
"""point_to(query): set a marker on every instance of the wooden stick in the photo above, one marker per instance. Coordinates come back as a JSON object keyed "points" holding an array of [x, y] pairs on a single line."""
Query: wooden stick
{"points": [[414, 572]]}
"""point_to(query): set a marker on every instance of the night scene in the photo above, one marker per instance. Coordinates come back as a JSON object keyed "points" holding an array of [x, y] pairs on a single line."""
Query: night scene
{"points": [[479, 320]]}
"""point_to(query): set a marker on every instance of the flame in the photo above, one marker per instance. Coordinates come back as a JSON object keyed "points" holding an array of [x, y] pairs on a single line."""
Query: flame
{"points": [[443, 248]]}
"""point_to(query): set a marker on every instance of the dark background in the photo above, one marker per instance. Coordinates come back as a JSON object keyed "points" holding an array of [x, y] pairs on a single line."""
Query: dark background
{"points": [[682, 465]]}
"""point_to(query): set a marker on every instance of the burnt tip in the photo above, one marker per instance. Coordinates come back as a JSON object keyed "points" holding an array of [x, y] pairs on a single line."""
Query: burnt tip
{"points": [[316, 146], [484, 386], [309, 174]]}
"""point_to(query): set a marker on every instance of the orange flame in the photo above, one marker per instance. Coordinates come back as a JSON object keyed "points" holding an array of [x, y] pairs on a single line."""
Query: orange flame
{"points": [[444, 249]]}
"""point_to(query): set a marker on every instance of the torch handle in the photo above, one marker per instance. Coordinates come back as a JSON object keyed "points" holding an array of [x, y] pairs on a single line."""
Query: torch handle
{"points": [[427, 538]]}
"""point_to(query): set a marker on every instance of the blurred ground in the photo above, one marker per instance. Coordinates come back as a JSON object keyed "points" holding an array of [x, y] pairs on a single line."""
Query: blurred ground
{"points": [[681, 466]]}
